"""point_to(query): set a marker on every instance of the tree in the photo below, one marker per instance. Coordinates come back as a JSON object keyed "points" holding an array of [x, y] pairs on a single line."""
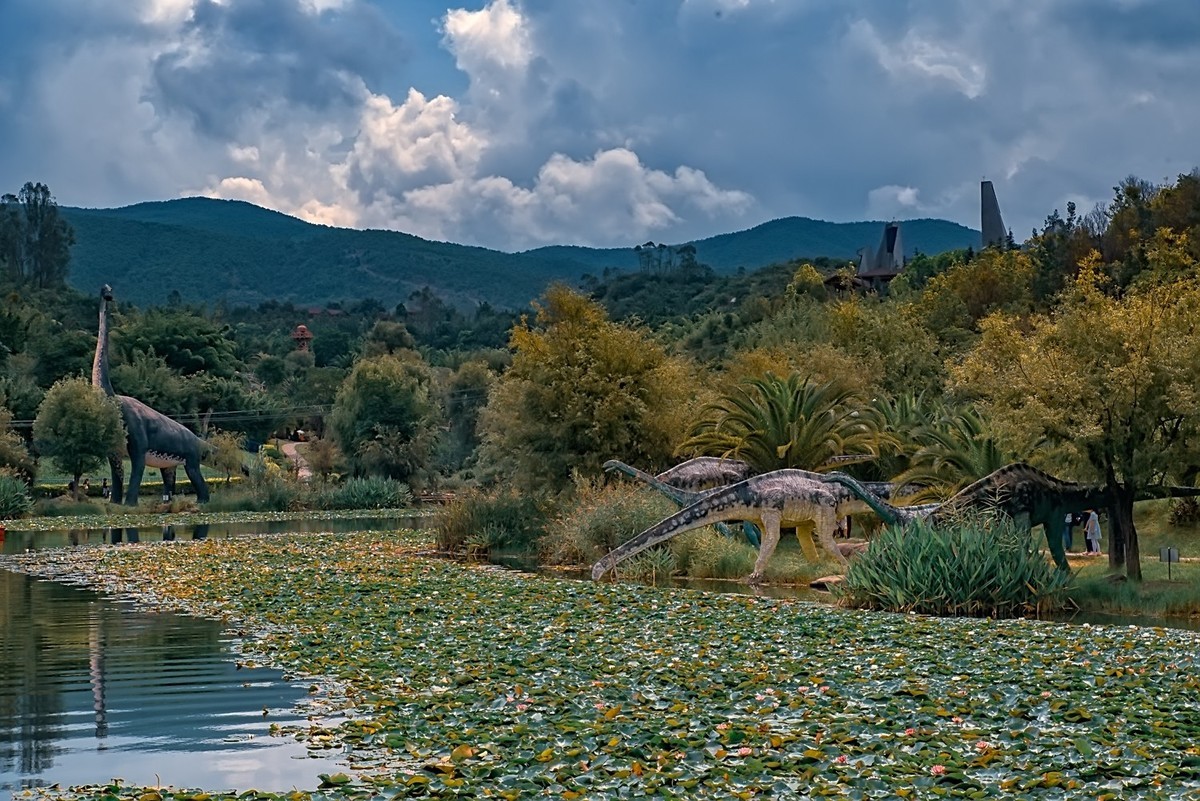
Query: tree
{"points": [[1109, 383], [776, 423], [14, 456], [78, 426], [953, 449], [323, 456], [582, 389], [384, 419], [226, 455], [35, 241], [189, 343]]}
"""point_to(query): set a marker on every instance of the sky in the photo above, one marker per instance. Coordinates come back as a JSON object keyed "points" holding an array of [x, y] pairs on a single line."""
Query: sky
{"points": [[518, 123]]}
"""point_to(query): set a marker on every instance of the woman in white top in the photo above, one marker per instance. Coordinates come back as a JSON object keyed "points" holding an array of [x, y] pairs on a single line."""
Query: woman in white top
{"points": [[1092, 531]]}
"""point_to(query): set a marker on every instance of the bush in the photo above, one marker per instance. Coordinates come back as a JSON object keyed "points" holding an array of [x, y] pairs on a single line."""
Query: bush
{"points": [[1184, 512], [705, 553], [977, 567], [367, 493], [652, 566], [476, 522], [601, 518], [14, 495]]}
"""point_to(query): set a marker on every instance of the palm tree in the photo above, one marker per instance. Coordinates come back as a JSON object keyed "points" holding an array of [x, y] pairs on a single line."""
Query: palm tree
{"points": [[955, 449], [773, 423]]}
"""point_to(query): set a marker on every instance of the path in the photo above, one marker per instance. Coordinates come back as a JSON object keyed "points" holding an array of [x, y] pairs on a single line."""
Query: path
{"points": [[303, 472]]}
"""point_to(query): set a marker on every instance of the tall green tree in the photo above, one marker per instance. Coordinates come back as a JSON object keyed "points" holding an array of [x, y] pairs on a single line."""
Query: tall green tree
{"points": [[1110, 383], [384, 418], [953, 449], [775, 423], [35, 240], [78, 426], [582, 389]]}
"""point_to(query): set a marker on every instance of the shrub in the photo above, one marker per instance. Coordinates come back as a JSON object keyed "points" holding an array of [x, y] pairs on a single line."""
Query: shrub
{"points": [[601, 518], [475, 522], [972, 567], [654, 565], [367, 493], [14, 495], [705, 553], [1184, 512]]}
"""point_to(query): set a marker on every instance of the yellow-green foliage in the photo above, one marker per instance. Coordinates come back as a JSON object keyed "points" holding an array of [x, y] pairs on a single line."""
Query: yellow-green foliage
{"points": [[599, 518]]}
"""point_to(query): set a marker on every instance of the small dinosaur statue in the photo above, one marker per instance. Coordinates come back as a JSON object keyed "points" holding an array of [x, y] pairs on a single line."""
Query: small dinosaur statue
{"points": [[1021, 491], [152, 438], [772, 500]]}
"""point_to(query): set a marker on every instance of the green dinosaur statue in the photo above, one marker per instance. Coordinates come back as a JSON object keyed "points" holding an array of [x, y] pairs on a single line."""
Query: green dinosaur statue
{"points": [[1021, 491]]}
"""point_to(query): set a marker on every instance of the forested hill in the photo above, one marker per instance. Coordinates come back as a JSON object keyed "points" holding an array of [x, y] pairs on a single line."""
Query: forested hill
{"points": [[210, 250]]}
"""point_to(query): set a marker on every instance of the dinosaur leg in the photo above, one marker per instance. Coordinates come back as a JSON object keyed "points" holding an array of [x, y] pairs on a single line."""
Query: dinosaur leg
{"points": [[804, 535], [117, 469], [770, 528], [825, 523], [1055, 540], [137, 460], [192, 468]]}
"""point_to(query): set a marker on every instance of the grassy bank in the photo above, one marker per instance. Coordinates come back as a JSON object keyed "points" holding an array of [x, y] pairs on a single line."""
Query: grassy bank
{"points": [[1094, 591], [467, 681]]}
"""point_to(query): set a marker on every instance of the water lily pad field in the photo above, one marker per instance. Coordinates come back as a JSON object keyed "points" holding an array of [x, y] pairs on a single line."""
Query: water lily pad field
{"points": [[445, 680]]}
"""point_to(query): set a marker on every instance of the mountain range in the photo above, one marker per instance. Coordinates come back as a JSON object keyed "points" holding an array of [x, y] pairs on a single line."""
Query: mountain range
{"points": [[238, 253]]}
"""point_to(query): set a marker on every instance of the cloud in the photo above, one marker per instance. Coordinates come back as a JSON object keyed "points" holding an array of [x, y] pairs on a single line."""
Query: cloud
{"points": [[518, 122], [918, 56]]}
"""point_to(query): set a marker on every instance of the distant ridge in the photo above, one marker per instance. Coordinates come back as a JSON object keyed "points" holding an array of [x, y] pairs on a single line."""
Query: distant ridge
{"points": [[232, 251]]}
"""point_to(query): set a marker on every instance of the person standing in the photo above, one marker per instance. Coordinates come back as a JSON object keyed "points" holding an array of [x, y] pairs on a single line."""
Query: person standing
{"points": [[1092, 532], [1068, 532]]}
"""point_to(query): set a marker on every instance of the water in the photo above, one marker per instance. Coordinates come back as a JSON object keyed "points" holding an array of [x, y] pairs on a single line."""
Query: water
{"points": [[21, 541], [93, 689]]}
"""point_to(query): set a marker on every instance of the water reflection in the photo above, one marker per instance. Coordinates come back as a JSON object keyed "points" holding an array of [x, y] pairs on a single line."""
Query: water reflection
{"points": [[92, 689]]}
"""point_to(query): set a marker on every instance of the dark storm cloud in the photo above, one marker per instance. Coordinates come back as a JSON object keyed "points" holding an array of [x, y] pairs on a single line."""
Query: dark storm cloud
{"points": [[241, 57]]}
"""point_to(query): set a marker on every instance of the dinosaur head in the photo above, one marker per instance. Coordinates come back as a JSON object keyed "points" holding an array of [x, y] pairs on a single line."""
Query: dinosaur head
{"points": [[106, 293]]}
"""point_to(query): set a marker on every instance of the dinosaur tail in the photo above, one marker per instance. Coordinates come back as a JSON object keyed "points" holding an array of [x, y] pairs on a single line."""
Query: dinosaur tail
{"points": [[716, 507]]}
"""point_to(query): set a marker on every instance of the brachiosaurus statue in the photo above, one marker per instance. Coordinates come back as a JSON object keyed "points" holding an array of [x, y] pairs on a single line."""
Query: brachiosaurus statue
{"points": [[152, 438], [772, 500], [685, 482], [1028, 495]]}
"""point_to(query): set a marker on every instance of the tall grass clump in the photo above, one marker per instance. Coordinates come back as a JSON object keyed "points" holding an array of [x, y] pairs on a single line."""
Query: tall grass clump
{"points": [[599, 518], [477, 522], [367, 493], [974, 567], [706, 553], [14, 495]]}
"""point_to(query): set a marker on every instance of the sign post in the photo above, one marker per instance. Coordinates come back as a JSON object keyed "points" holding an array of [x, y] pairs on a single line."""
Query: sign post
{"points": [[1168, 555]]}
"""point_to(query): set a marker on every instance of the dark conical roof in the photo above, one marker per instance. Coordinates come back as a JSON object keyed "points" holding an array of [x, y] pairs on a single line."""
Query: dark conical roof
{"points": [[991, 223]]}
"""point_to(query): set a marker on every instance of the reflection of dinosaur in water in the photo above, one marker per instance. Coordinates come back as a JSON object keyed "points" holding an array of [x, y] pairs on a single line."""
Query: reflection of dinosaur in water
{"points": [[1028, 495], [152, 438], [772, 500], [96, 647]]}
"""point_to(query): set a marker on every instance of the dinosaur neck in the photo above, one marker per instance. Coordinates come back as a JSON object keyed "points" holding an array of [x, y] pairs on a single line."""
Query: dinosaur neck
{"points": [[887, 513], [100, 362]]}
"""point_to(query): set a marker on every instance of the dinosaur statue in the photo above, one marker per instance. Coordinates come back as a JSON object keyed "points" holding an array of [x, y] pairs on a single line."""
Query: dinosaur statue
{"points": [[152, 438], [690, 473], [709, 471], [772, 500], [1026, 494]]}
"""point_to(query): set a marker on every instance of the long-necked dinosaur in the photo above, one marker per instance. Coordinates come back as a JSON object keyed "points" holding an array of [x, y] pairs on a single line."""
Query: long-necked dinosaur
{"points": [[686, 482], [1028, 495], [772, 500], [152, 438]]}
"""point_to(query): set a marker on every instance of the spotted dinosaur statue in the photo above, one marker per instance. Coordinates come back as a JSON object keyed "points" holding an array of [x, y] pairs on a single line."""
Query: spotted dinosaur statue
{"points": [[1028, 495], [152, 439], [686, 482], [771, 500]]}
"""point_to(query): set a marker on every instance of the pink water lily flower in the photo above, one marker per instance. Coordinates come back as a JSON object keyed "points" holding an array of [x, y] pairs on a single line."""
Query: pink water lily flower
{"points": [[842, 759], [745, 751], [910, 731], [938, 770]]}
